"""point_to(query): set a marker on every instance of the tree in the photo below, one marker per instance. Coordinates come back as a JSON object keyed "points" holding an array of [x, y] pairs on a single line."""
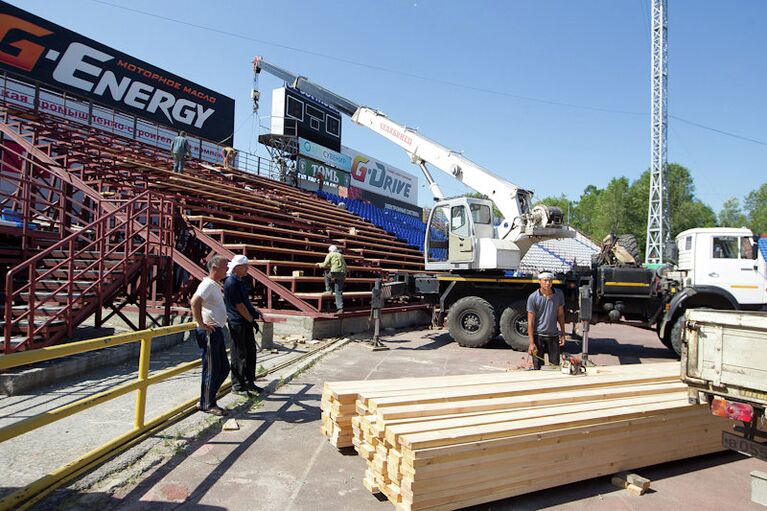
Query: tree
{"points": [[476, 195], [731, 215], [582, 213], [756, 209]]}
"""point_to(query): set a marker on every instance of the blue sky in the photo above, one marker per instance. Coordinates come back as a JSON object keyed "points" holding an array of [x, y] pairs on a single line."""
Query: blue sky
{"points": [[552, 95]]}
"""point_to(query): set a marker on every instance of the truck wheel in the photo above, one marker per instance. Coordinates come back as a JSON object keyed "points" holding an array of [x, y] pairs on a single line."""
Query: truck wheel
{"points": [[676, 335], [514, 326], [471, 322], [629, 242]]}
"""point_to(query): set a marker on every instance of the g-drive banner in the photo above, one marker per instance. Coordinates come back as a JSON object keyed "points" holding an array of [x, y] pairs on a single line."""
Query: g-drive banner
{"points": [[45, 52]]}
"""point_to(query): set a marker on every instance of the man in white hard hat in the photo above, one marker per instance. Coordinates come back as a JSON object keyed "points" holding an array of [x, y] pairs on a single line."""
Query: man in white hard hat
{"points": [[335, 274], [241, 318], [545, 308]]}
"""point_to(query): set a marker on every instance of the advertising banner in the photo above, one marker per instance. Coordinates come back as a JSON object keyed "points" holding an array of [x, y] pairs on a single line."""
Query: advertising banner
{"points": [[332, 176], [384, 202], [380, 178], [19, 93], [39, 50], [325, 155]]}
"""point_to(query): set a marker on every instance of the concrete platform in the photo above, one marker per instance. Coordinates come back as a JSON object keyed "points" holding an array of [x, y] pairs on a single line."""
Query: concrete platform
{"points": [[278, 460], [350, 323]]}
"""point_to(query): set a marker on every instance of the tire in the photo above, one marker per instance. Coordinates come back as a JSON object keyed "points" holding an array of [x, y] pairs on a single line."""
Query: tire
{"points": [[676, 335], [629, 242], [514, 326], [471, 322]]}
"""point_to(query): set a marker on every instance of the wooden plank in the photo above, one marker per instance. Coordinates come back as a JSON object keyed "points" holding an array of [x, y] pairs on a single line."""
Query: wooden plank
{"points": [[499, 430], [393, 413]]}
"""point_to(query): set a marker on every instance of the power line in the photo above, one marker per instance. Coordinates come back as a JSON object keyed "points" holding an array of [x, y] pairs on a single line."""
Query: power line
{"points": [[372, 66], [420, 77], [721, 132]]}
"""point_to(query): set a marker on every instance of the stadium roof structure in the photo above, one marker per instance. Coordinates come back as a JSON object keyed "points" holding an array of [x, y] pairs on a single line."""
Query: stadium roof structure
{"points": [[559, 256]]}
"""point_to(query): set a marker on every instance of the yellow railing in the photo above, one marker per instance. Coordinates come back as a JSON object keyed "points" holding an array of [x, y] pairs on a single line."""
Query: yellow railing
{"points": [[29, 495]]}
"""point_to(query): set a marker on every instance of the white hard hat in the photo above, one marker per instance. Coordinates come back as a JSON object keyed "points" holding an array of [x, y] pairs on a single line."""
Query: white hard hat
{"points": [[332, 248], [236, 261]]}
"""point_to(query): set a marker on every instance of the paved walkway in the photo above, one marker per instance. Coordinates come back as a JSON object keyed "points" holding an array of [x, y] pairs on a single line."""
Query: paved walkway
{"points": [[28, 457], [279, 461]]}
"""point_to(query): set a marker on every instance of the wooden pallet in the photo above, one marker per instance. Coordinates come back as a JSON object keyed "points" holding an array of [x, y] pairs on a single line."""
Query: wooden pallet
{"points": [[444, 443]]}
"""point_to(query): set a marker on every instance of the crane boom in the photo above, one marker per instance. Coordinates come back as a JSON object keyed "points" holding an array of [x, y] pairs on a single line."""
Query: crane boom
{"points": [[522, 225], [512, 201]]}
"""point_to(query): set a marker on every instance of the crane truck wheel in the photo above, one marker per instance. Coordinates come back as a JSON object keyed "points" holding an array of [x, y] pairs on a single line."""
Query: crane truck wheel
{"points": [[676, 335], [471, 322], [629, 243], [514, 326]]}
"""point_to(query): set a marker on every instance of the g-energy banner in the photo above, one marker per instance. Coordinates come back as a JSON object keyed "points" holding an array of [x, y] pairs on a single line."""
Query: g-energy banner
{"points": [[45, 52]]}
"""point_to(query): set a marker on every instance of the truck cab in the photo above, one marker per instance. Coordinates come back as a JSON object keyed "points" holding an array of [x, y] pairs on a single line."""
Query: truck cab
{"points": [[717, 268], [461, 235], [724, 258]]}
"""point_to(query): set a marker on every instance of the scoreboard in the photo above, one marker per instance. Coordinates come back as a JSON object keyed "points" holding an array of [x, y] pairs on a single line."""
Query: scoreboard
{"points": [[298, 114]]}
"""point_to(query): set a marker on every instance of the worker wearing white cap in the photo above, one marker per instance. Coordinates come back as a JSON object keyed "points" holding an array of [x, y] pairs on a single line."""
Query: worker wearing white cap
{"points": [[545, 308], [335, 275], [241, 318]]}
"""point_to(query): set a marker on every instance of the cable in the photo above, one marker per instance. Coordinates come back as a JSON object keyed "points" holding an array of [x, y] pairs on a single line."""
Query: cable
{"points": [[420, 77], [372, 66], [715, 130]]}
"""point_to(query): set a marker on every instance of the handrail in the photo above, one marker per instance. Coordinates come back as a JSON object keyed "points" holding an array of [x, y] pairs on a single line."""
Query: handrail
{"points": [[97, 235], [141, 384]]}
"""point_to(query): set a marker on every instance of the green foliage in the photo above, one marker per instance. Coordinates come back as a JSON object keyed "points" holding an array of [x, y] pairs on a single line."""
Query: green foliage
{"points": [[477, 195], [731, 214], [621, 207], [756, 209]]}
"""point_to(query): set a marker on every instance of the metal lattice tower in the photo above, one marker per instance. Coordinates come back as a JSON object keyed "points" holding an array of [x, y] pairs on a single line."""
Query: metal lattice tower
{"points": [[658, 224]]}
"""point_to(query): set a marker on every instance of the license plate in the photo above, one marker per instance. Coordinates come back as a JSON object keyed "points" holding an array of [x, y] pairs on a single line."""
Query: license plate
{"points": [[744, 446]]}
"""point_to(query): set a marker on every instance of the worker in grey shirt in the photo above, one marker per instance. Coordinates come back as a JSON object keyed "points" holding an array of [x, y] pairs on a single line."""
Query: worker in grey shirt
{"points": [[180, 150], [545, 308]]}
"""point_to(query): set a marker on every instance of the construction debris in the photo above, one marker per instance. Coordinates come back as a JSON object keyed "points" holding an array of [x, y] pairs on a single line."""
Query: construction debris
{"points": [[633, 483], [450, 442], [231, 425]]}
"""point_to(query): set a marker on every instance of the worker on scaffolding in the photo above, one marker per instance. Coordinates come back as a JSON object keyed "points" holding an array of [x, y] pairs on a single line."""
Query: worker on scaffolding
{"points": [[241, 317], [180, 150], [335, 275], [209, 312], [228, 153], [545, 308]]}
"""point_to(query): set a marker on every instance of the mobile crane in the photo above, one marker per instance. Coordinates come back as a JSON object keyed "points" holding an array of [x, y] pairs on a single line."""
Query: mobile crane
{"points": [[471, 241], [472, 254]]}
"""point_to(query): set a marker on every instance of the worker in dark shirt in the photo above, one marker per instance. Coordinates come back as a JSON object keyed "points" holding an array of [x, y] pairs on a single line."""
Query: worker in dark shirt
{"points": [[545, 309], [241, 318]]}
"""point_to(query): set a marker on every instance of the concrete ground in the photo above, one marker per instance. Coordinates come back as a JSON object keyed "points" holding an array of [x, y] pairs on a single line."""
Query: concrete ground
{"points": [[278, 460], [28, 457]]}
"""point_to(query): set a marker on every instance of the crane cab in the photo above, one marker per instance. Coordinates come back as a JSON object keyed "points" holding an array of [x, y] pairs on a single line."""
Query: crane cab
{"points": [[461, 235]]}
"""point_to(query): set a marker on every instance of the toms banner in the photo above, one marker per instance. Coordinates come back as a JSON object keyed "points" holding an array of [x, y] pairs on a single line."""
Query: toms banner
{"points": [[381, 178], [331, 175], [42, 51]]}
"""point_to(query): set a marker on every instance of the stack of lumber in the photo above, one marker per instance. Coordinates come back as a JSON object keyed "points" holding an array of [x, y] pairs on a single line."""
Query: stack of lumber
{"points": [[443, 443]]}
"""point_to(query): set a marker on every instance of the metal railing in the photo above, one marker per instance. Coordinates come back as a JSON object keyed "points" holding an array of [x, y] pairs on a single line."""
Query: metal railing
{"points": [[143, 428], [133, 231], [25, 497]]}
